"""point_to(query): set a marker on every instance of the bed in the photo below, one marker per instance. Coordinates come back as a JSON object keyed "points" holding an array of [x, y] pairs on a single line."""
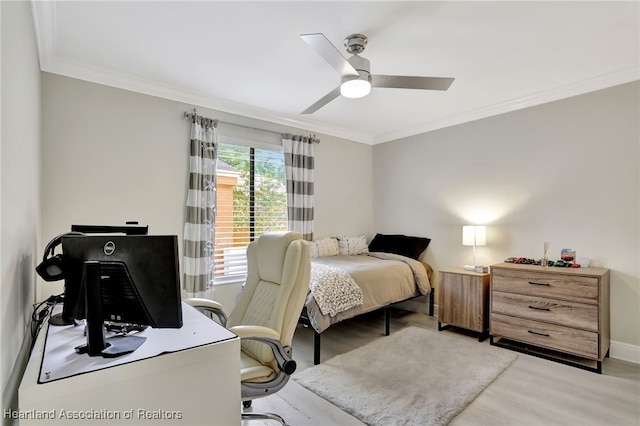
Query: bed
{"points": [[349, 278]]}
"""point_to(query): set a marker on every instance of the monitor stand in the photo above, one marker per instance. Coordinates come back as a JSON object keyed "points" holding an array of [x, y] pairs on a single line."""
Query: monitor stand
{"points": [[96, 344], [114, 346], [60, 319]]}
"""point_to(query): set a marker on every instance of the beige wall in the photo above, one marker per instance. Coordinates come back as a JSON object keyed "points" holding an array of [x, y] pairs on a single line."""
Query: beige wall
{"points": [[111, 155], [565, 172], [19, 191], [549, 173], [344, 191]]}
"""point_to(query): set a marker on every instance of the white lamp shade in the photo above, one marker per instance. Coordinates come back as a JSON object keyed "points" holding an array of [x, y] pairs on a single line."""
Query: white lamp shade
{"points": [[356, 88], [473, 235]]}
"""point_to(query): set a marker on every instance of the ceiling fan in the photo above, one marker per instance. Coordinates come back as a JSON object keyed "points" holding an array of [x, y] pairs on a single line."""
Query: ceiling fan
{"points": [[355, 75]]}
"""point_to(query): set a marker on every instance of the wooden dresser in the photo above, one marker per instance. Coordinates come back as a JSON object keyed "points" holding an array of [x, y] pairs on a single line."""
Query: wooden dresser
{"points": [[556, 313]]}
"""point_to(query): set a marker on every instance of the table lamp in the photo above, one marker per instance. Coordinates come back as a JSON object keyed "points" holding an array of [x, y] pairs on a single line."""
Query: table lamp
{"points": [[474, 235]]}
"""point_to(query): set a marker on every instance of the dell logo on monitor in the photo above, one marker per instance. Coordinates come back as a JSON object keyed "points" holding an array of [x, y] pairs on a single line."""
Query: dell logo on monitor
{"points": [[109, 248]]}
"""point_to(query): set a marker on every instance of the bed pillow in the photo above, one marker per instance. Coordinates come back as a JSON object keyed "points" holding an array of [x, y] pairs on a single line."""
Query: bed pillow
{"points": [[400, 244], [352, 245], [324, 247]]}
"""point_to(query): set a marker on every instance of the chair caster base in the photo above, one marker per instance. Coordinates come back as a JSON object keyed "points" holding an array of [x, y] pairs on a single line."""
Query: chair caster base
{"points": [[266, 416]]}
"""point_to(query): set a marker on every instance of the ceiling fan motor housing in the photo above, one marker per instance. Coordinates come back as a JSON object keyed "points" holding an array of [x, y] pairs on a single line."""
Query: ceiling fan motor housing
{"points": [[362, 65], [355, 43]]}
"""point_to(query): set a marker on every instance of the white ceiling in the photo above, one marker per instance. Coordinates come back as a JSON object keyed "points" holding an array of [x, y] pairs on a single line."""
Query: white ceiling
{"points": [[247, 57]]}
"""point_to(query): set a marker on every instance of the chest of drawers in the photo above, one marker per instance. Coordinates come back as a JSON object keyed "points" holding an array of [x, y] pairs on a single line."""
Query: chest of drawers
{"points": [[557, 313]]}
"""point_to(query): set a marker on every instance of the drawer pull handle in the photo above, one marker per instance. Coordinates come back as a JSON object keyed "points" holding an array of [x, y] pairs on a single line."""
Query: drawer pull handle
{"points": [[539, 308], [535, 283], [538, 333]]}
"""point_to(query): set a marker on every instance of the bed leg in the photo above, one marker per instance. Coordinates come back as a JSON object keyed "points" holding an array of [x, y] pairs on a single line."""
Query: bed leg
{"points": [[387, 316], [316, 348], [432, 297]]}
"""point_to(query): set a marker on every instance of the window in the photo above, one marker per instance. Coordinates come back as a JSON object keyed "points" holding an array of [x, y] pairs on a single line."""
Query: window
{"points": [[251, 199]]}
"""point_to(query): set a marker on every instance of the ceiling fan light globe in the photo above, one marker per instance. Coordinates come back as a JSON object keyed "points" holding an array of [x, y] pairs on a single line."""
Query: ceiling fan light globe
{"points": [[355, 88]]}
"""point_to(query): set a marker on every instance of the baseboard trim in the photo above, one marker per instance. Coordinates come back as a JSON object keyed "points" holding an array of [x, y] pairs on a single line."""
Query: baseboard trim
{"points": [[625, 352], [10, 391], [419, 305], [618, 350]]}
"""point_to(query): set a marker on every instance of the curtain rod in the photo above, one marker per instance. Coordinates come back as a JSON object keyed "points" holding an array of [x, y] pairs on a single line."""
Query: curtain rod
{"points": [[190, 115]]}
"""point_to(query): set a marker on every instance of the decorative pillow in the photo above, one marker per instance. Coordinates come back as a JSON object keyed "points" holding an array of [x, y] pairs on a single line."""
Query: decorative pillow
{"points": [[400, 244], [352, 245], [324, 247]]}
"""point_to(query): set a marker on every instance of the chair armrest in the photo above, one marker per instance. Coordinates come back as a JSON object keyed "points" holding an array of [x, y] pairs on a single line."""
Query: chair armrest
{"points": [[208, 306], [247, 331], [272, 338]]}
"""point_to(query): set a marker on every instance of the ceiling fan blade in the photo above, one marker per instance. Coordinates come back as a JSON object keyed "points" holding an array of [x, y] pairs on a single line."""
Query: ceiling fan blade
{"points": [[323, 101], [405, 82], [328, 51]]}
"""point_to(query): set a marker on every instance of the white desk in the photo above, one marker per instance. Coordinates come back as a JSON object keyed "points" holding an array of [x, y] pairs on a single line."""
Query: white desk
{"points": [[186, 376]]}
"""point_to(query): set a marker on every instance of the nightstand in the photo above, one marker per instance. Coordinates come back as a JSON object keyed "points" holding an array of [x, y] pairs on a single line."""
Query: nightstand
{"points": [[464, 301]]}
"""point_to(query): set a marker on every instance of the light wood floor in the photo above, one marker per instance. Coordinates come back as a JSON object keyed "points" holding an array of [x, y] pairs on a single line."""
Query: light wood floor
{"points": [[532, 391]]}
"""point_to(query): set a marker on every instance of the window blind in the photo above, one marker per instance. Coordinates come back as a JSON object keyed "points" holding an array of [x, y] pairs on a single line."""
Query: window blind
{"points": [[251, 200]]}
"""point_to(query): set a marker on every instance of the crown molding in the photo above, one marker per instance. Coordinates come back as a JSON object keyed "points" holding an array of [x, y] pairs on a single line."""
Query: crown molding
{"points": [[44, 14], [563, 92], [148, 87], [44, 18], [153, 88]]}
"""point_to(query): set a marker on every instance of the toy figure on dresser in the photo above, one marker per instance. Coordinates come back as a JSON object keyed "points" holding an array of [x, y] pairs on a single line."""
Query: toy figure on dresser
{"points": [[528, 261], [567, 255]]}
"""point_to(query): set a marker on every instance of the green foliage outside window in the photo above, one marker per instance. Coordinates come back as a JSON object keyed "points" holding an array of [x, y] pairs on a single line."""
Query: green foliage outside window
{"points": [[269, 196]]}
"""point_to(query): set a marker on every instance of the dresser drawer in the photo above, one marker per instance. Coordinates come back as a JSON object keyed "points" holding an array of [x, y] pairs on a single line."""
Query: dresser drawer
{"points": [[570, 314], [564, 339], [546, 284]]}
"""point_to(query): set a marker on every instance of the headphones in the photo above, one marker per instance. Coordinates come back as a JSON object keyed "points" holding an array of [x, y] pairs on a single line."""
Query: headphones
{"points": [[52, 266]]}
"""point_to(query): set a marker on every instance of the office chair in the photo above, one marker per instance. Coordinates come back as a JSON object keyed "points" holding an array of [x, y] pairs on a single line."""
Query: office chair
{"points": [[266, 314]]}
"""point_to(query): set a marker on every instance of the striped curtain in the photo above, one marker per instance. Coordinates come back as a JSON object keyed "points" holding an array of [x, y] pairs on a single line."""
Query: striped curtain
{"points": [[298, 161], [199, 227]]}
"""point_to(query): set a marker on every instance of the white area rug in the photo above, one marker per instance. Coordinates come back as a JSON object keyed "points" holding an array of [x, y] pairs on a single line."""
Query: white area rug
{"points": [[411, 377]]}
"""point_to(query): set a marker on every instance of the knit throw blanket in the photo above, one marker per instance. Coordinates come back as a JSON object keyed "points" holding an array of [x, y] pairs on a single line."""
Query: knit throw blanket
{"points": [[333, 289]]}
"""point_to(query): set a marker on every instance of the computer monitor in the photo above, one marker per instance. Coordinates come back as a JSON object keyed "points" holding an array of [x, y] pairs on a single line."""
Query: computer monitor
{"points": [[52, 267], [130, 279], [131, 228]]}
